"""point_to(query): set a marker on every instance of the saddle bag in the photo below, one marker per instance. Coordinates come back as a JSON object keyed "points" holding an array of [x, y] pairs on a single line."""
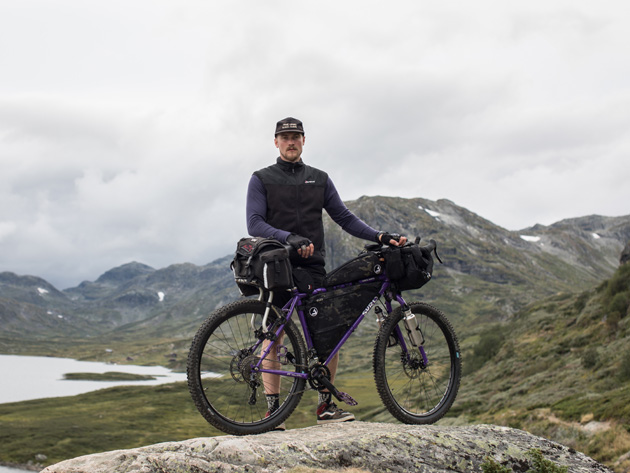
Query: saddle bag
{"points": [[261, 263], [409, 267], [330, 314], [364, 266]]}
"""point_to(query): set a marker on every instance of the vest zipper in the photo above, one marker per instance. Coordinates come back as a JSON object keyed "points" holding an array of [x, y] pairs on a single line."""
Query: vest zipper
{"points": [[298, 213]]}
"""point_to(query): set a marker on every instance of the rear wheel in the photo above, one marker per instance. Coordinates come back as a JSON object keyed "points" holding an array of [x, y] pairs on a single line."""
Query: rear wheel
{"points": [[416, 390], [227, 390]]}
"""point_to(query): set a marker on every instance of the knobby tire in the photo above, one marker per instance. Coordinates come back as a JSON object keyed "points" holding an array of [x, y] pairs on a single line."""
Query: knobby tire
{"points": [[219, 374], [411, 392]]}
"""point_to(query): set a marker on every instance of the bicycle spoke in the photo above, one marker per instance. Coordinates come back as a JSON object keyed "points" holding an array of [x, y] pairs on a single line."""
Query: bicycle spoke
{"points": [[226, 387], [413, 391]]}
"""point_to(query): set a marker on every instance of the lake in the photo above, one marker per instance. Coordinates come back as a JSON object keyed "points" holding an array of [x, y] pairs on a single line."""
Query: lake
{"points": [[36, 377], [8, 469]]}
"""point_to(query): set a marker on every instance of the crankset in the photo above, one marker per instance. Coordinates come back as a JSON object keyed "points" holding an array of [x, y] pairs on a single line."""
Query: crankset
{"points": [[319, 379]]}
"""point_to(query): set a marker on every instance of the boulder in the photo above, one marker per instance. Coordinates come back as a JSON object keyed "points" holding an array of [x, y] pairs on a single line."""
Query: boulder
{"points": [[358, 446]]}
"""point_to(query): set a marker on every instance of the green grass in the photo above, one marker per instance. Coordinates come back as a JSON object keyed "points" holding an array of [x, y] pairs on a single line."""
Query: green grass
{"points": [[108, 376], [128, 417], [110, 419]]}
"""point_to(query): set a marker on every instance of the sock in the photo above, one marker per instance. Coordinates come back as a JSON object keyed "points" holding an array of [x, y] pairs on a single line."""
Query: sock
{"points": [[324, 397], [273, 402]]}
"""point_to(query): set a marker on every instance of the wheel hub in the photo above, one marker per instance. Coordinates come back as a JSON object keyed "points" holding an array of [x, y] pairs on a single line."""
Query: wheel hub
{"points": [[412, 366], [241, 367]]}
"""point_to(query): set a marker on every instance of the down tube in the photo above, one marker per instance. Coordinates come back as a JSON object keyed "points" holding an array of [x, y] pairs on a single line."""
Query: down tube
{"points": [[352, 329]]}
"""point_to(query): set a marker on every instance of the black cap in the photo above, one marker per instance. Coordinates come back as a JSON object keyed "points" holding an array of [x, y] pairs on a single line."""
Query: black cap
{"points": [[289, 124]]}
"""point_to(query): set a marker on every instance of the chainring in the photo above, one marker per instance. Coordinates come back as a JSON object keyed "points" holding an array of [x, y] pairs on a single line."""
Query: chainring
{"points": [[314, 372]]}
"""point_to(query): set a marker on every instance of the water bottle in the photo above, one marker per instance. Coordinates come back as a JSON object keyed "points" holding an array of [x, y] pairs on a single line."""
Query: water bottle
{"points": [[411, 323]]}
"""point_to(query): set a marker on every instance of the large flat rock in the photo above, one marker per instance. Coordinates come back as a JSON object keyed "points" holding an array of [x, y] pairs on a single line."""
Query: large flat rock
{"points": [[372, 447]]}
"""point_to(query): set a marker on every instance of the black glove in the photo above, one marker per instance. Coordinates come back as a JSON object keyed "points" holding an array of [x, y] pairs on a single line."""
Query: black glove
{"points": [[297, 241], [385, 238]]}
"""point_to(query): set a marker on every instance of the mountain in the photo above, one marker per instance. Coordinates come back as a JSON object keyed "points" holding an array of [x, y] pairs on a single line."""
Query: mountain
{"points": [[489, 273]]}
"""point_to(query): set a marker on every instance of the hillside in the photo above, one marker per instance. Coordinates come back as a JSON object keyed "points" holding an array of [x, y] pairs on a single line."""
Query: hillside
{"points": [[489, 272], [560, 369]]}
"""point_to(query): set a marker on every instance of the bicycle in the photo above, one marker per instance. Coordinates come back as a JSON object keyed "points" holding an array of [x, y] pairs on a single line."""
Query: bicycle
{"points": [[416, 357]]}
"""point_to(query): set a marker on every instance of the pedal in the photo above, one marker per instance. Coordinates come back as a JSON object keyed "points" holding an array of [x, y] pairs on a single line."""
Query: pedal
{"points": [[345, 397]]}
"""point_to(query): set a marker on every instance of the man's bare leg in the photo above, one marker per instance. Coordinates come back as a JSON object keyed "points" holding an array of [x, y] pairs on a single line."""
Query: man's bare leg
{"points": [[271, 382]]}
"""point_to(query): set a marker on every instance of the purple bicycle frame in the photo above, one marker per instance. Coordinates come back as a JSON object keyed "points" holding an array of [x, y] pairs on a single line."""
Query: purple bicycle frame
{"points": [[295, 301]]}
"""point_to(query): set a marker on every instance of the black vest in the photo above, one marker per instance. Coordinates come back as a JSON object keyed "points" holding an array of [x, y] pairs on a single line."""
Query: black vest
{"points": [[295, 200]]}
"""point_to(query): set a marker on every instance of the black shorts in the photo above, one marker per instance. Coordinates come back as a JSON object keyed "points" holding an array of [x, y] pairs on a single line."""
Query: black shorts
{"points": [[306, 278]]}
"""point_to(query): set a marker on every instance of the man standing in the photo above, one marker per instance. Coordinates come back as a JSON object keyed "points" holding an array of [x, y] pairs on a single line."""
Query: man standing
{"points": [[285, 201]]}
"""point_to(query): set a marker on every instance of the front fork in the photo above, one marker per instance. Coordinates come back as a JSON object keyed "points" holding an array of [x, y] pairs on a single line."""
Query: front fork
{"points": [[413, 329]]}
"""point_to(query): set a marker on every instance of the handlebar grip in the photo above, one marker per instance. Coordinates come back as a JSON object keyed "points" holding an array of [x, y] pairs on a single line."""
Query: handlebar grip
{"points": [[432, 247]]}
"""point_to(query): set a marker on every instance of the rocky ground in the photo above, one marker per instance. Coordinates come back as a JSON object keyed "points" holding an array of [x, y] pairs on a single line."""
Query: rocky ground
{"points": [[355, 446]]}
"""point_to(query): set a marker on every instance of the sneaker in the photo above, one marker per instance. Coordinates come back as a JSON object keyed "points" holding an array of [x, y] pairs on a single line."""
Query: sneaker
{"points": [[329, 412], [280, 427]]}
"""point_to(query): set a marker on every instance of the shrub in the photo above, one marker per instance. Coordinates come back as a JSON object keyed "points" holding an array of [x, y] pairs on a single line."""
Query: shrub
{"points": [[619, 303], [539, 465], [491, 466], [619, 282], [542, 465], [486, 349], [624, 372], [590, 358]]}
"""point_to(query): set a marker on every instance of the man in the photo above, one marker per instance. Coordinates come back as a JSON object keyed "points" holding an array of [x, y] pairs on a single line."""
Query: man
{"points": [[285, 201]]}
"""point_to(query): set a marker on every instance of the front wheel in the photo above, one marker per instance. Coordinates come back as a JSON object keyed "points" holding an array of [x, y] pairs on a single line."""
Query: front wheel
{"points": [[417, 385], [222, 378]]}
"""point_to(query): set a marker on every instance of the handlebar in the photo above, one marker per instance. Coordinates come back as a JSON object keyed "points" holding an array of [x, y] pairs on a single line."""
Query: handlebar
{"points": [[431, 247]]}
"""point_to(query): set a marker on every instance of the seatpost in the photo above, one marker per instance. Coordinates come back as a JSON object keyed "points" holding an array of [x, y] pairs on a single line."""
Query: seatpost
{"points": [[267, 309]]}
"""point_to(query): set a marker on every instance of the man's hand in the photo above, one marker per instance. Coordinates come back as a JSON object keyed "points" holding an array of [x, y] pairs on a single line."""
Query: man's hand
{"points": [[393, 240], [304, 246]]}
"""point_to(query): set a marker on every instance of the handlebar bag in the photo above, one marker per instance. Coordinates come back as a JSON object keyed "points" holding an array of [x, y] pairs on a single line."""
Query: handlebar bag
{"points": [[364, 266], [410, 267], [261, 263], [330, 314]]}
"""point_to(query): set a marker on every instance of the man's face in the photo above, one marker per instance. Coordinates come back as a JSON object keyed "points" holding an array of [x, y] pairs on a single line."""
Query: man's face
{"points": [[290, 146]]}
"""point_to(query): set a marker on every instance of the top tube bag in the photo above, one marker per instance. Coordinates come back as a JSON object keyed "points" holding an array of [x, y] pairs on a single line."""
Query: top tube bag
{"points": [[261, 263], [364, 266]]}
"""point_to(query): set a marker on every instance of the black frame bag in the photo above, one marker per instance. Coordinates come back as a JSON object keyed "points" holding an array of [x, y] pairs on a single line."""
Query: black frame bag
{"points": [[261, 263], [330, 314]]}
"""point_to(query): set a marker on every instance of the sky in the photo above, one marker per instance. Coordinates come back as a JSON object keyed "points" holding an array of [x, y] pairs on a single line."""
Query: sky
{"points": [[129, 129]]}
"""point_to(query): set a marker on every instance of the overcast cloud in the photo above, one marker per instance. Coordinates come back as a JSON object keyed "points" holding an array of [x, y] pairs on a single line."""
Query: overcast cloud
{"points": [[129, 129]]}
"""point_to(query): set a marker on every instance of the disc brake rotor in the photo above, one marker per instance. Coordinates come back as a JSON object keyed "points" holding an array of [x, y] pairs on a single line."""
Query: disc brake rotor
{"points": [[412, 366]]}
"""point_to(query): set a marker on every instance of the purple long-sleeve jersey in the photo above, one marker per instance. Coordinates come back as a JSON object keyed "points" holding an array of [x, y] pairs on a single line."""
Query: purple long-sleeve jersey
{"points": [[256, 210]]}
